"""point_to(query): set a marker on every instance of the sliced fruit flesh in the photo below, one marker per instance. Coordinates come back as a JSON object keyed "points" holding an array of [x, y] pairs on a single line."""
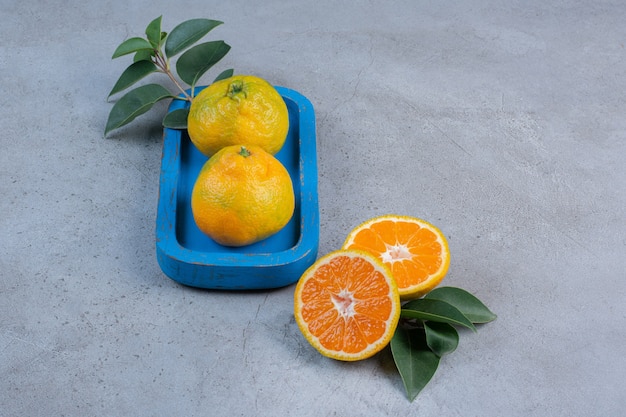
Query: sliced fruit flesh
{"points": [[343, 314]]}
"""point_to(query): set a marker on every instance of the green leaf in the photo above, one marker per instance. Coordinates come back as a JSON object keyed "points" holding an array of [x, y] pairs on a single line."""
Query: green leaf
{"points": [[225, 74], [468, 304], [132, 74], [130, 46], [153, 32], [176, 119], [188, 33], [135, 103], [199, 59], [441, 338], [144, 55], [415, 361], [435, 310]]}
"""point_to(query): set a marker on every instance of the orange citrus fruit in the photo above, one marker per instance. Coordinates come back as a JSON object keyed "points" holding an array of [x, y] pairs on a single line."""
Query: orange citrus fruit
{"points": [[242, 109], [242, 195], [416, 251], [347, 305]]}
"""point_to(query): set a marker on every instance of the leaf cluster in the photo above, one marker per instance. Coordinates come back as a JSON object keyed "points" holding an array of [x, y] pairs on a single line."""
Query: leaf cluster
{"points": [[153, 54], [427, 332]]}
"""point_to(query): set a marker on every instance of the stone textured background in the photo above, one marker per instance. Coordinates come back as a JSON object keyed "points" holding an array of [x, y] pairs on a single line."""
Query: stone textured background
{"points": [[503, 124]]}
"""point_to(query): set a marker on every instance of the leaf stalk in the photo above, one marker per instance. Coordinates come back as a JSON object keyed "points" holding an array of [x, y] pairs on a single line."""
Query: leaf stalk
{"points": [[164, 65]]}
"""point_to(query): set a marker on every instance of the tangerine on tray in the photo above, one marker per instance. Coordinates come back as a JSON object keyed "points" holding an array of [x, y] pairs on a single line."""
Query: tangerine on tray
{"points": [[416, 251], [347, 305], [242, 195], [242, 109]]}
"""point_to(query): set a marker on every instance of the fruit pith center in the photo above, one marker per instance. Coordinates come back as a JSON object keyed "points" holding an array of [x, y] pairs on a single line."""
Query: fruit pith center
{"points": [[344, 303], [396, 252]]}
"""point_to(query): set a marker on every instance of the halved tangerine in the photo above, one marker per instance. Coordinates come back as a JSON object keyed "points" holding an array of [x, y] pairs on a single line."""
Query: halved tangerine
{"points": [[416, 251], [347, 305]]}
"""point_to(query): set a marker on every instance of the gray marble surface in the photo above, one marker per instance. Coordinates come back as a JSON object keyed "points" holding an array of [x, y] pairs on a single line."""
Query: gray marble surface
{"points": [[501, 122]]}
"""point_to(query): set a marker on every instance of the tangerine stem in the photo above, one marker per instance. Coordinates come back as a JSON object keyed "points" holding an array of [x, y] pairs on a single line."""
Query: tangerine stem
{"points": [[244, 152], [235, 88]]}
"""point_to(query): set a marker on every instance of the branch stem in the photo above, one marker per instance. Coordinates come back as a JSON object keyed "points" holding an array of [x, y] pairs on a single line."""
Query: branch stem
{"points": [[163, 64]]}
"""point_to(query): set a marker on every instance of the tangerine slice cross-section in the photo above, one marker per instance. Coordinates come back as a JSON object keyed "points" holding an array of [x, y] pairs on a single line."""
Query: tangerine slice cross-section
{"points": [[416, 251], [347, 305]]}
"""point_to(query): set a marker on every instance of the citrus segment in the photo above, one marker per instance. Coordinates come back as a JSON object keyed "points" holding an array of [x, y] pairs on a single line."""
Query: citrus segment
{"points": [[347, 305], [242, 109], [415, 251]]}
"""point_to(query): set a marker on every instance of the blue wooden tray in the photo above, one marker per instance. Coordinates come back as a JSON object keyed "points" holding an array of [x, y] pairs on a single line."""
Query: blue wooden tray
{"points": [[188, 256]]}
